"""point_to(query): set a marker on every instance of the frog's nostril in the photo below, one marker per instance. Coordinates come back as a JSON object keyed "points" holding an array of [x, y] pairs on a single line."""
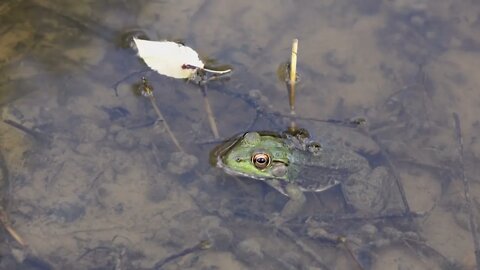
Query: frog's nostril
{"points": [[314, 148]]}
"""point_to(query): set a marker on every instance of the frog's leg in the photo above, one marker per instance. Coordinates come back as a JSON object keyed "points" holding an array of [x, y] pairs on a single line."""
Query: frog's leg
{"points": [[296, 198], [296, 202], [367, 191]]}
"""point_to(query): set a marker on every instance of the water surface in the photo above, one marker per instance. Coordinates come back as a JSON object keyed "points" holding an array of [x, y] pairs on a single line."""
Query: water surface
{"points": [[97, 185]]}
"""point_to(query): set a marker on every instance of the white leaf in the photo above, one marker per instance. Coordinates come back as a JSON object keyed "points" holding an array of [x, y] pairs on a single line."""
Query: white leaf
{"points": [[169, 58]]}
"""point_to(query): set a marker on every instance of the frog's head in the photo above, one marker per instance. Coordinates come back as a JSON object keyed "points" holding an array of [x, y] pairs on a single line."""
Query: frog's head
{"points": [[256, 155]]}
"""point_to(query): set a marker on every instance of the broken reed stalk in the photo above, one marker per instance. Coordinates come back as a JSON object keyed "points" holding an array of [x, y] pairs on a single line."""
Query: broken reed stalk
{"points": [[466, 191], [211, 117], [292, 81], [293, 75]]}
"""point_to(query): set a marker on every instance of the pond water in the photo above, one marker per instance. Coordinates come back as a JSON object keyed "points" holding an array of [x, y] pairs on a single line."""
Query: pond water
{"points": [[91, 179]]}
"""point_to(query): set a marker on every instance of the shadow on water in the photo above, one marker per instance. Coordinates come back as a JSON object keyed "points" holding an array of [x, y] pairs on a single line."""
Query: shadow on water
{"points": [[91, 180]]}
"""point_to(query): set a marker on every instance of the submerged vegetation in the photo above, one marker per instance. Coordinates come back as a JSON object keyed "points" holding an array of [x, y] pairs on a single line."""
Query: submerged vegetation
{"points": [[93, 177]]}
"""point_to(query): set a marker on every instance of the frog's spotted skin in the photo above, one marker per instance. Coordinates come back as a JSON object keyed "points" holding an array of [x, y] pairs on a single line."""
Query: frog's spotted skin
{"points": [[290, 162]]}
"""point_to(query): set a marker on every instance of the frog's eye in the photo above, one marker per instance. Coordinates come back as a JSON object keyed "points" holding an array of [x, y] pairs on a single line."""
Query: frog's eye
{"points": [[261, 160]]}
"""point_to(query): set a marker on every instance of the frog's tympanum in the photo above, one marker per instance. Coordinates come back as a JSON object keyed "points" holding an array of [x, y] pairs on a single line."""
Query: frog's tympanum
{"points": [[293, 163]]}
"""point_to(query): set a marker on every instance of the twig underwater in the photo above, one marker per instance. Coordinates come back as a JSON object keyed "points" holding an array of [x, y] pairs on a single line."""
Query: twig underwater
{"points": [[466, 191], [202, 245], [40, 137]]}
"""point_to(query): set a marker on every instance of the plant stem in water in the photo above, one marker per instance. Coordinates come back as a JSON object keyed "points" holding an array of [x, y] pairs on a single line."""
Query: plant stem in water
{"points": [[211, 117], [146, 90], [167, 127]]}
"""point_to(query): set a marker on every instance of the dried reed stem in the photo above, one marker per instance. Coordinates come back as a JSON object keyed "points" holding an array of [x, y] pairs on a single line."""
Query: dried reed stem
{"points": [[293, 75]]}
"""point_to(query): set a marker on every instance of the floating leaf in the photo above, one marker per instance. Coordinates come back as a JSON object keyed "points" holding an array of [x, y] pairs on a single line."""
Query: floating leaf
{"points": [[169, 58]]}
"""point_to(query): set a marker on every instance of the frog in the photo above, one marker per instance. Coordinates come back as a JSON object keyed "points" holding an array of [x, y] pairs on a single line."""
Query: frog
{"points": [[294, 163]]}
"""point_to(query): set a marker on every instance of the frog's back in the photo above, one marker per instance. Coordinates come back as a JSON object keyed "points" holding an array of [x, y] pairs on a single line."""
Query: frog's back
{"points": [[340, 136], [344, 158]]}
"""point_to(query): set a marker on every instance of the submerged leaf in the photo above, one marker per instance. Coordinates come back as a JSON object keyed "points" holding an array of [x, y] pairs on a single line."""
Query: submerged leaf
{"points": [[169, 58]]}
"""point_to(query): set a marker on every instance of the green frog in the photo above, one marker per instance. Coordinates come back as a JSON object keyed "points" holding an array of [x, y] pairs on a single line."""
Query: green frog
{"points": [[294, 163]]}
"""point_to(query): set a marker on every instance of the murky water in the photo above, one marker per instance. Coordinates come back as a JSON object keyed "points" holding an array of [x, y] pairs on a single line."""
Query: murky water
{"points": [[93, 181]]}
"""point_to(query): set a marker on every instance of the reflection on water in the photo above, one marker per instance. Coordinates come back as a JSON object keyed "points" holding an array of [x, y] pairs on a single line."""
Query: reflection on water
{"points": [[94, 181]]}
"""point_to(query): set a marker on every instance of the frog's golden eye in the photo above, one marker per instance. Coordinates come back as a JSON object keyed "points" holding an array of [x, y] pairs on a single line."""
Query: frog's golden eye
{"points": [[261, 160]]}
